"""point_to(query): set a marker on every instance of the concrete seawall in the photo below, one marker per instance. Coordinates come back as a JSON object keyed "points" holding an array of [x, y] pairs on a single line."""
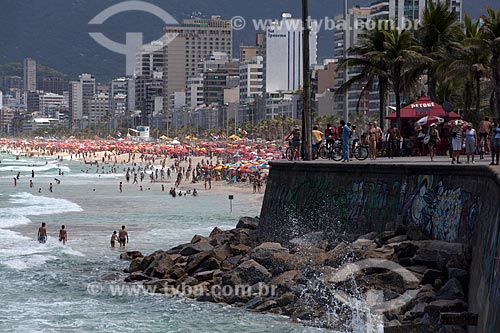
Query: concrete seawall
{"points": [[451, 203]]}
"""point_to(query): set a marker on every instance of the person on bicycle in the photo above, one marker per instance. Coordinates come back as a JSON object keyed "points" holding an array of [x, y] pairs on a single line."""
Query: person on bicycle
{"points": [[330, 135], [433, 140], [295, 138], [484, 130], [393, 137], [317, 137], [346, 133]]}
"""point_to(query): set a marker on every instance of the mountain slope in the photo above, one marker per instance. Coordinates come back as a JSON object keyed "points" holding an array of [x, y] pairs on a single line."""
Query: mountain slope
{"points": [[55, 32]]}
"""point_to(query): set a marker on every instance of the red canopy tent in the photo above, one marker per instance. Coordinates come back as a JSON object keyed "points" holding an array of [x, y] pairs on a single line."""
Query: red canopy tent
{"points": [[424, 107]]}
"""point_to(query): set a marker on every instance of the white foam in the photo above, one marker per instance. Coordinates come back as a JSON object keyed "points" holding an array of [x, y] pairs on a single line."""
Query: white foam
{"points": [[37, 168], [39, 205]]}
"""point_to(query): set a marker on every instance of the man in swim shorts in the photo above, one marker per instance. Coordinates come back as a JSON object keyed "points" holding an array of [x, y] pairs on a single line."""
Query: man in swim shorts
{"points": [[42, 233]]}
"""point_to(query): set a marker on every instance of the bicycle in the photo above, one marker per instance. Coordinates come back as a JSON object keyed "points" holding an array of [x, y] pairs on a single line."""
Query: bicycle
{"points": [[332, 151]]}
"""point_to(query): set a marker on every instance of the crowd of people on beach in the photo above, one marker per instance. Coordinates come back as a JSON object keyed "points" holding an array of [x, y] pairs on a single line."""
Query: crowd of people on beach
{"points": [[452, 139]]}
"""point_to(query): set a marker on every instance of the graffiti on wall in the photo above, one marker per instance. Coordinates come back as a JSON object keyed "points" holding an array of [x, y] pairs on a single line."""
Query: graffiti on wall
{"points": [[445, 214]]}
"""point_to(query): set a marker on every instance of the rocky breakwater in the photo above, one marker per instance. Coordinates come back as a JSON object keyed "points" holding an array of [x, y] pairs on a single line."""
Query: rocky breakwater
{"points": [[395, 279]]}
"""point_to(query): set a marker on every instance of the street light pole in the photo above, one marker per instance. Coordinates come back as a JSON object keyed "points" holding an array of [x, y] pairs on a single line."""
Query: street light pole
{"points": [[306, 117], [346, 69]]}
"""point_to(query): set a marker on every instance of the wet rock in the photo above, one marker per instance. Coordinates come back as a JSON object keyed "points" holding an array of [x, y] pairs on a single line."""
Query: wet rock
{"points": [[445, 305], [209, 264], [191, 249], [231, 262], [248, 223], [385, 252], [204, 276], [406, 249], [111, 277], [451, 290], [195, 260], [271, 255], [239, 249], [131, 255], [137, 276], [254, 302], [361, 245], [176, 249], [160, 265], [266, 306], [198, 238], [284, 277], [338, 255], [370, 236], [140, 264], [285, 299], [430, 276], [397, 239], [158, 284], [215, 231], [252, 272], [459, 274], [222, 252]]}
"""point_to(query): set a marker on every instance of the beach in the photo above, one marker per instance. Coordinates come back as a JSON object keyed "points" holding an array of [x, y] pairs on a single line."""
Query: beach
{"points": [[54, 278]]}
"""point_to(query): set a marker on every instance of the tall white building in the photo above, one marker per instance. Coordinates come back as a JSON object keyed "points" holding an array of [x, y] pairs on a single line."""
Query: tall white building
{"points": [[283, 61], [413, 9], [80, 100], [1, 100], [194, 92], [49, 104], [29, 75], [251, 79]]}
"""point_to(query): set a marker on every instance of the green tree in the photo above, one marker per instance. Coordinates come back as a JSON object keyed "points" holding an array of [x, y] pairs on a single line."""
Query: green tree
{"points": [[403, 58], [367, 56], [439, 31], [490, 31]]}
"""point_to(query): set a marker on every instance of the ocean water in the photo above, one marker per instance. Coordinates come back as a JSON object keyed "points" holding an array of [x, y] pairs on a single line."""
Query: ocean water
{"points": [[44, 287]]}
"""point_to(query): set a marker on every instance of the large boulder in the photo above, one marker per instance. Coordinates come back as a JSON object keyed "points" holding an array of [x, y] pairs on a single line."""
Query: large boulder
{"points": [[436, 254], [131, 255], [195, 260], [451, 290], [191, 249], [338, 255], [160, 265], [271, 255], [140, 264], [248, 222], [251, 272]]}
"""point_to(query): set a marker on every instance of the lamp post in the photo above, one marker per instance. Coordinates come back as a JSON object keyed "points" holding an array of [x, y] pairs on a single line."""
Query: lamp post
{"points": [[346, 70], [306, 117]]}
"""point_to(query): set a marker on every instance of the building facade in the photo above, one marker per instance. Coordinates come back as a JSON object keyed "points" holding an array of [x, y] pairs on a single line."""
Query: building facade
{"points": [[80, 100], [283, 60], [29, 75]]}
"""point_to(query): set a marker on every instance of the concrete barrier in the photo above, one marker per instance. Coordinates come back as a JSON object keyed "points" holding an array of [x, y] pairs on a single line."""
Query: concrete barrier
{"points": [[451, 203]]}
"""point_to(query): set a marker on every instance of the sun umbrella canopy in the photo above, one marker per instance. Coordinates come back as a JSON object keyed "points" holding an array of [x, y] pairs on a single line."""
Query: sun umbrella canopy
{"points": [[429, 120], [422, 108]]}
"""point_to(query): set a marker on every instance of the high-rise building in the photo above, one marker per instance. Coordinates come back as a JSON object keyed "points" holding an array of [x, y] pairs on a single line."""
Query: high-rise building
{"points": [[195, 40], [99, 115], [53, 84], [399, 10], [148, 79], [125, 89], [29, 75], [283, 60], [33, 101], [80, 100], [251, 80]]}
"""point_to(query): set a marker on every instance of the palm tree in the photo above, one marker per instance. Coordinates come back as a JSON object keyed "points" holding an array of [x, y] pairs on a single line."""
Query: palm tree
{"points": [[490, 31], [468, 64], [403, 59], [439, 31], [366, 56]]}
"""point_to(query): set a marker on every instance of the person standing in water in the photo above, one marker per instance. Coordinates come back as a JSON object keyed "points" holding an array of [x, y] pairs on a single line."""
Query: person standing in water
{"points": [[42, 233], [114, 238], [63, 235], [123, 236]]}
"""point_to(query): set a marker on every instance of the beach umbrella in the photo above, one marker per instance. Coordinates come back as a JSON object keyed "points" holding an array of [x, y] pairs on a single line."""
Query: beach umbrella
{"points": [[429, 120]]}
